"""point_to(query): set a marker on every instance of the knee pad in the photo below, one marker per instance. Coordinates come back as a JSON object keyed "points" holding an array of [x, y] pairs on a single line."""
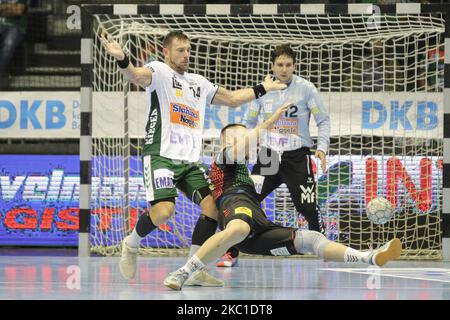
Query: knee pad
{"points": [[200, 194], [204, 228], [311, 241]]}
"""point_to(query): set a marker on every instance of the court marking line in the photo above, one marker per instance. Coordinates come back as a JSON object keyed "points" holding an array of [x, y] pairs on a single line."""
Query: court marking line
{"points": [[380, 272]]}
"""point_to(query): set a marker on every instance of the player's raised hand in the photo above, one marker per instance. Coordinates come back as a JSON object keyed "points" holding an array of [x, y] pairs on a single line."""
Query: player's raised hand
{"points": [[271, 120], [112, 47], [271, 85], [279, 112]]}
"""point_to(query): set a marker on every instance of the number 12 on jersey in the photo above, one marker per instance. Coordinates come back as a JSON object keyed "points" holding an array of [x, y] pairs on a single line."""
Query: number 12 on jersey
{"points": [[291, 112]]}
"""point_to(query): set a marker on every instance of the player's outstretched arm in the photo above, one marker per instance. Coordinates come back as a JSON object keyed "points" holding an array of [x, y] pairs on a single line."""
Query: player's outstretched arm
{"points": [[238, 97], [139, 76], [242, 146]]}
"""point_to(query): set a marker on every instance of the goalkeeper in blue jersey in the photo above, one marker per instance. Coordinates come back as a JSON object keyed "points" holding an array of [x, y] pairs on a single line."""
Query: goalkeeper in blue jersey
{"points": [[284, 154]]}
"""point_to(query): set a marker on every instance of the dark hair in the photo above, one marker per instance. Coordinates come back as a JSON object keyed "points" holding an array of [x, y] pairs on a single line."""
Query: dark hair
{"points": [[174, 34], [231, 125], [284, 49]]}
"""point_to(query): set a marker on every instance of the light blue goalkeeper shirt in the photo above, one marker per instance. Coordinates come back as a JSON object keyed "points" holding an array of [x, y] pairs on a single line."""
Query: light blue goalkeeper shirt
{"points": [[292, 129]]}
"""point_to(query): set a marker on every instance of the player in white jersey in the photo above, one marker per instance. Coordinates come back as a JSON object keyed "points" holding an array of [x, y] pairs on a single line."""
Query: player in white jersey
{"points": [[176, 101], [284, 155], [175, 127]]}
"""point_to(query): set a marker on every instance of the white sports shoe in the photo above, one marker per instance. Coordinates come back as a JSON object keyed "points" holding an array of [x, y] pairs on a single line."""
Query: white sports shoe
{"points": [[390, 251], [127, 264], [204, 279], [175, 280]]}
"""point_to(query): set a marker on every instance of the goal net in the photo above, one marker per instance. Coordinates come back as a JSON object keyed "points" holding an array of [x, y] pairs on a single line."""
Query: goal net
{"points": [[380, 77]]}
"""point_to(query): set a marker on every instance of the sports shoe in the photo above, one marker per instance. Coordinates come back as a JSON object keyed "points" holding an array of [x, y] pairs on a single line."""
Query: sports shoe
{"points": [[175, 280], [390, 251], [227, 261], [204, 279], [127, 264]]}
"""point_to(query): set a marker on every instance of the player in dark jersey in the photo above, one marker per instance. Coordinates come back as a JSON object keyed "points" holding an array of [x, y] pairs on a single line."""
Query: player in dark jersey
{"points": [[245, 225], [284, 156]]}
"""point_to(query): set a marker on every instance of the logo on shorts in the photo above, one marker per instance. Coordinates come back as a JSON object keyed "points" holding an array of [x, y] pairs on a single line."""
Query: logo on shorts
{"points": [[184, 115], [226, 213], [207, 178], [283, 251], [258, 181], [307, 194], [243, 210], [163, 179]]}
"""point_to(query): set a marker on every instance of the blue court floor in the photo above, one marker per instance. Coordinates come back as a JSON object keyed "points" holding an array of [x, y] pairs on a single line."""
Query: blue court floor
{"points": [[69, 277]]}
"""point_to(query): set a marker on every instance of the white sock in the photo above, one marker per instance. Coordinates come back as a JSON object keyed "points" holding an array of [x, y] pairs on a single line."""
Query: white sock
{"points": [[193, 250], [193, 265], [134, 240], [355, 256]]}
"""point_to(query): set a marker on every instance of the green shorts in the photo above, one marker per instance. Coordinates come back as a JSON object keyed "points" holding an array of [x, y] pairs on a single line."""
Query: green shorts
{"points": [[162, 177]]}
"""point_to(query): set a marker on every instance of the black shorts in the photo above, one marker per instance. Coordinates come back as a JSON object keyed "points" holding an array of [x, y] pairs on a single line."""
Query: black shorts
{"points": [[295, 170], [266, 237]]}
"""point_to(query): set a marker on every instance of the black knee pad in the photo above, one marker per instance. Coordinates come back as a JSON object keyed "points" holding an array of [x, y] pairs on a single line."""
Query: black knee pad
{"points": [[200, 194], [203, 230], [144, 225]]}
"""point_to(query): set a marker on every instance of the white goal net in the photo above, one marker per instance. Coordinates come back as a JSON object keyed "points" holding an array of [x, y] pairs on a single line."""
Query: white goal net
{"points": [[381, 79]]}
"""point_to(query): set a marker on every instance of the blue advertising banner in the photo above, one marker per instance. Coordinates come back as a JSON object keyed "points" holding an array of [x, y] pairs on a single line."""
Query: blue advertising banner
{"points": [[57, 114], [39, 200]]}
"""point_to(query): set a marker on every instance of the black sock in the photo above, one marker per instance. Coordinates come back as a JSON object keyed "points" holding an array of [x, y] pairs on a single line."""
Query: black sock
{"points": [[144, 225], [204, 229]]}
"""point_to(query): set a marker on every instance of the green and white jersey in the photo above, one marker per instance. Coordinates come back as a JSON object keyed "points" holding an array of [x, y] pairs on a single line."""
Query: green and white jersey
{"points": [[176, 104]]}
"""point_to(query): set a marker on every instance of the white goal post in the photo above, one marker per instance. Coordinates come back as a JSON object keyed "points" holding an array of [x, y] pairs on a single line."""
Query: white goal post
{"points": [[381, 72]]}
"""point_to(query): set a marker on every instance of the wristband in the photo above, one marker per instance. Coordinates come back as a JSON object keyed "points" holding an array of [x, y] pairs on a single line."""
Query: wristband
{"points": [[259, 91], [123, 64]]}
